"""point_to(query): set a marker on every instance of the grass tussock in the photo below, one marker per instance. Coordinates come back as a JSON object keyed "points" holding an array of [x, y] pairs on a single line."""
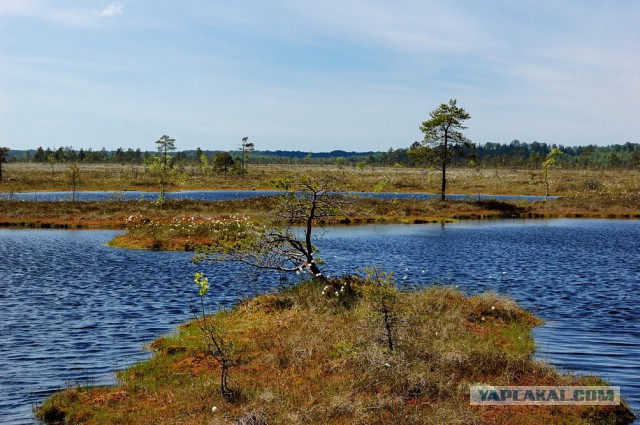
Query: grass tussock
{"points": [[312, 356]]}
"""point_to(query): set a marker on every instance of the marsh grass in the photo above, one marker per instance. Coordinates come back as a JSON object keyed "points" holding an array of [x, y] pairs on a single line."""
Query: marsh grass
{"points": [[160, 226], [583, 194], [317, 359], [28, 177]]}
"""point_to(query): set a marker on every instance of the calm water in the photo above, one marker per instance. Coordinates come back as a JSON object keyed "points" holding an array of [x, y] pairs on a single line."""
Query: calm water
{"points": [[73, 310], [224, 195]]}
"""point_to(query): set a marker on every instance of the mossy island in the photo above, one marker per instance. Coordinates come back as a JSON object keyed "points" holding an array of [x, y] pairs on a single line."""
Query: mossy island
{"points": [[308, 355]]}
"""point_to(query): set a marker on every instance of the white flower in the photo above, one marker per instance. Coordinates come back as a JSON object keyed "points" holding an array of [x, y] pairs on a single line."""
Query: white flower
{"points": [[493, 307], [337, 295], [214, 409], [483, 319]]}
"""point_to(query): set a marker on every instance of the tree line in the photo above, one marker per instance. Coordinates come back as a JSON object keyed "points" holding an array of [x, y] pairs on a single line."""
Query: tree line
{"points": [[515, 154], [518, 154]]}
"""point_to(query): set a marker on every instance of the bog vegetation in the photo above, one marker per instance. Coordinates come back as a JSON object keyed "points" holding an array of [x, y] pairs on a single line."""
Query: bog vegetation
{"points": [[323, 353]]}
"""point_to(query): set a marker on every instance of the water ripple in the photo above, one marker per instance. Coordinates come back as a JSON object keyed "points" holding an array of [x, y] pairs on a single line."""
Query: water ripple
{"points": [[74, 311]]}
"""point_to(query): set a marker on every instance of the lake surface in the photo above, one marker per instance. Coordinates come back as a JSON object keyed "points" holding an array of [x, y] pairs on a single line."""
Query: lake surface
{"points": [[225, 195], [73, 310]]}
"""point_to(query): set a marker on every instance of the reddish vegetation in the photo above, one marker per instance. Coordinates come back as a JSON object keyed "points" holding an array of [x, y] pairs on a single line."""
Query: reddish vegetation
{"points": [[312, 358]]}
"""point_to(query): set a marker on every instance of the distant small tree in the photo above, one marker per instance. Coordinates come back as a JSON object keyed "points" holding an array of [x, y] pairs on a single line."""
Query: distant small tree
{"points": [[119, 156], [165, 145], [246, 148], [73, 176], [160, 165], [586, 156], [198, 154], [154, 165], [442, 135], [51, 158], [180, 158], [4, 155], [204, 164], [550, 162], [103, 155], [39, 156], [223, 161], [419, 154], [613, 160]]}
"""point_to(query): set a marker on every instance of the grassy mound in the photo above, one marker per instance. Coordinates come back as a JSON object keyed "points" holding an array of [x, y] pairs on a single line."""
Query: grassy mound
{"points": [[311, 356]]}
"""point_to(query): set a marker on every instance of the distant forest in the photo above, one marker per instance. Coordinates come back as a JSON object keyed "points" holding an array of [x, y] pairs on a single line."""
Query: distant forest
{"points": [[515, 155]]}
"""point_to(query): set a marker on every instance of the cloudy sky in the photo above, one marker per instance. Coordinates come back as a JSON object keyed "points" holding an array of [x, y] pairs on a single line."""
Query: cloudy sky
{"points": [[315, 75]]}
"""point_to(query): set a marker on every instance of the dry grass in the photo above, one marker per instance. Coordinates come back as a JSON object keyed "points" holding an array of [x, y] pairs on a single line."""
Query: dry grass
{"points": [[314, 358], [114, 214], [584, 194], [34, 177]]}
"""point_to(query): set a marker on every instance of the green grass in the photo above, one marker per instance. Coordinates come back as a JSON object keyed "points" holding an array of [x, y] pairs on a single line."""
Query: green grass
{"points": [[313, 358]]}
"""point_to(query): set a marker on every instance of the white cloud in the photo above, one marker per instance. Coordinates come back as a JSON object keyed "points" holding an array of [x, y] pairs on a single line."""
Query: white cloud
{"points": [[114, 9], [56, 12]]}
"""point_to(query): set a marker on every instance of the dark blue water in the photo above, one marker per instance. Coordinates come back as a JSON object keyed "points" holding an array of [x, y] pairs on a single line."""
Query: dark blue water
{"points": [[225, 195], [73, 310]]}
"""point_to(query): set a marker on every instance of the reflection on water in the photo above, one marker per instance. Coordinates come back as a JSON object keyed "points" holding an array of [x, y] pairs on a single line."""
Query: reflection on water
{"points": [[73, 309]]}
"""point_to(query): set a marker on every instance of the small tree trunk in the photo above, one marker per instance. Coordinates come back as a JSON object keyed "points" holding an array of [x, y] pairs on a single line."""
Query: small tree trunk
{"points": [[444, 168], [444, 181], [161, 194], [224, 387], [387, 326], [317, 273]]}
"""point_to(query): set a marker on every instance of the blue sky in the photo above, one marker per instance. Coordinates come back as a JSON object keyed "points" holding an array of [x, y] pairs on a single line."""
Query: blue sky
{"points": [[315, 75]]}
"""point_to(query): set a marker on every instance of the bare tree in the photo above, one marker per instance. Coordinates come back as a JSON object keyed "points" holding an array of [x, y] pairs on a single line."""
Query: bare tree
{"points": [[73, 176], [246, 147], [286, 244]]}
